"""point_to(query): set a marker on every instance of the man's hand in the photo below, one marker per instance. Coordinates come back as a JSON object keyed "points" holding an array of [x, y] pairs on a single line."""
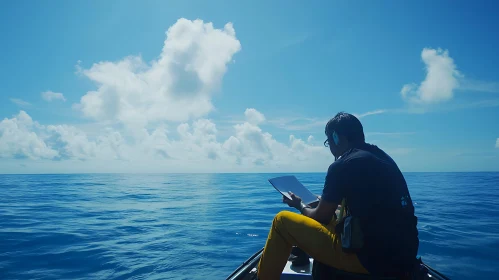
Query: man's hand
{"points": [[295, 200], [314, 204]]}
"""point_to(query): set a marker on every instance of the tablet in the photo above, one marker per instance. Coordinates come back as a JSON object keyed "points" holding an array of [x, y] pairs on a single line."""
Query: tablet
{"points": [[285, 184]]}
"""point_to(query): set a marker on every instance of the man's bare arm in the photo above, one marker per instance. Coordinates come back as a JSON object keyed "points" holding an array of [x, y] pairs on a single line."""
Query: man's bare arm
{"points": [[323, 213]]}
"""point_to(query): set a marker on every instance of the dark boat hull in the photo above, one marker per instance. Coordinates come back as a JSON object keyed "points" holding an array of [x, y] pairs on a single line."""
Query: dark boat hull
{"points": [[247, 270]]}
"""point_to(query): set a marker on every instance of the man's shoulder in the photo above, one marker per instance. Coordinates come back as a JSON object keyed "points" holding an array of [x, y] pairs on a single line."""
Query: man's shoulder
{"points": [[366, 152], [345, 160], [335, 166], [355, 155]]}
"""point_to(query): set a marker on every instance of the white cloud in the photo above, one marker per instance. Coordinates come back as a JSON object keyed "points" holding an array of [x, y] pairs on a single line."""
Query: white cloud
{"points": [[298, 123], [197, 141], [389, 133], [50, 95], [488, 103], [20, 102], [292, 41], [440, 82], [303, 124], [192, 147], [19, 139], [151, 117], [251, 145], [370, 113], [73, 143], [178, 86], [407, 90], [78, 68], [253, 116], [497, 143], [479, 86]]}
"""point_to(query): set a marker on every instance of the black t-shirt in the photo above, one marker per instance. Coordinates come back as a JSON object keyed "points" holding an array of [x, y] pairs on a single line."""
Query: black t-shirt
{"points": [[376, 191]]}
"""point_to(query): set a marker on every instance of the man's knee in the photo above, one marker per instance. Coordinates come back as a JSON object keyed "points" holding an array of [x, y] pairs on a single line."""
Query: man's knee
{"points": [[282, 217]]}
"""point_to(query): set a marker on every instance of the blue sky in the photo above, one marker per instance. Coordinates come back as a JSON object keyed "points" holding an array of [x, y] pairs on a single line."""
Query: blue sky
{"points": [[281, 68]]}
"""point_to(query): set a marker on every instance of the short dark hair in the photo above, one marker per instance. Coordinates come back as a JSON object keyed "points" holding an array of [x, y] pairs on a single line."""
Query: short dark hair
{"points": [[347, 125]]}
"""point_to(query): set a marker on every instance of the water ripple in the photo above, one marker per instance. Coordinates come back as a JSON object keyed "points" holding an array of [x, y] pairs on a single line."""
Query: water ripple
{"points": [[202, 226]]}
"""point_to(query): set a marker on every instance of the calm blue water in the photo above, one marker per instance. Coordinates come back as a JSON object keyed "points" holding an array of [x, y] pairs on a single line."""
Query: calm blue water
{"points": [[203, 226]]}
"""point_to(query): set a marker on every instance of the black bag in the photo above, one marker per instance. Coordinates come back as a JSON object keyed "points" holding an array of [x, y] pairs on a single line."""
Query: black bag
{"points": [[352, 237]]}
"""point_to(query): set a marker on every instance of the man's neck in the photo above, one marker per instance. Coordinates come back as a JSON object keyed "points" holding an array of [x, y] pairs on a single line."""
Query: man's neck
{"points": [[356, 145]]}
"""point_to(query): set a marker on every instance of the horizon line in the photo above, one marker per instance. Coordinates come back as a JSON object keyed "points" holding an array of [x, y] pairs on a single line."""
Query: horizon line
{"points": [[185, 173]]}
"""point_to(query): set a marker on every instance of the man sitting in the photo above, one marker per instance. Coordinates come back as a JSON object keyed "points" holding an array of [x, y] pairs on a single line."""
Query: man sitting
{"points": [[376, 195]]}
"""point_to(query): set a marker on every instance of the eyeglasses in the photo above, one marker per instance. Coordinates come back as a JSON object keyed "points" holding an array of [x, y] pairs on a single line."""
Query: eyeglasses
{"points": [[326, 143]]}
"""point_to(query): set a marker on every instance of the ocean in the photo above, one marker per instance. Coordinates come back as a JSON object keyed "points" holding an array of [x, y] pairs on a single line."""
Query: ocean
{"points": [[203, 226]]}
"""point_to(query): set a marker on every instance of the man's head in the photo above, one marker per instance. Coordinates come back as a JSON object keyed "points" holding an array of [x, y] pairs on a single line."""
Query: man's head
{"points": [[343, 132]]}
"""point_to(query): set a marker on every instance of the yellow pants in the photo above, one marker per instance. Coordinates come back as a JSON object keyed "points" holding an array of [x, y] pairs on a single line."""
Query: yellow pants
{"points": [[319, 241]]}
